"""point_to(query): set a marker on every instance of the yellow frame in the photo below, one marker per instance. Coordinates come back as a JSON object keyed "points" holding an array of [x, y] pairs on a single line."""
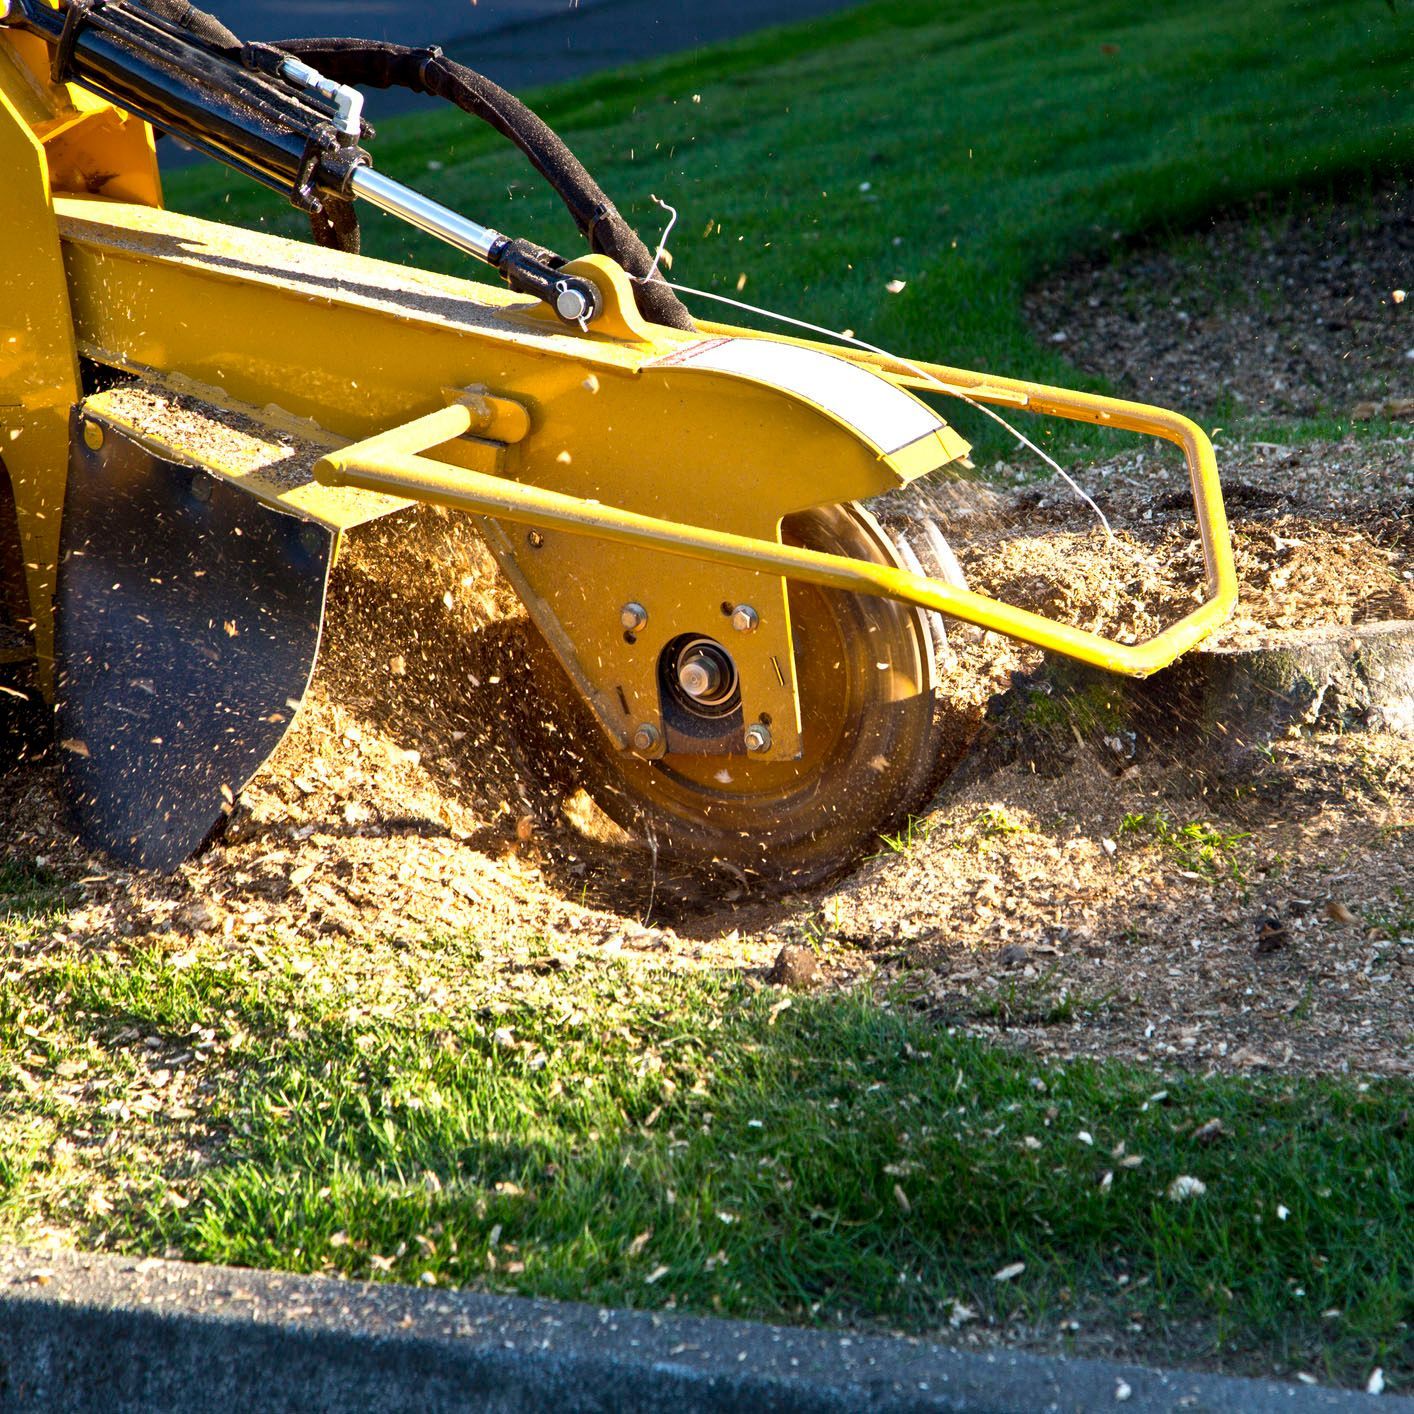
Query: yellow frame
{"points": [[392, 462], [145, 288]]}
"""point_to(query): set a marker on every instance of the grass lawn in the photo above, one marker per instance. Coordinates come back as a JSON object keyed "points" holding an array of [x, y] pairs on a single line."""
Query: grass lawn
{"points": [[573, 1127], [964, 151], [556, 1125]]}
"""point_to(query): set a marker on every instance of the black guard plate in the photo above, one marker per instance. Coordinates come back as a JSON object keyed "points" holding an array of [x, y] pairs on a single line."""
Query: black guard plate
{"points": [[188, 625]]}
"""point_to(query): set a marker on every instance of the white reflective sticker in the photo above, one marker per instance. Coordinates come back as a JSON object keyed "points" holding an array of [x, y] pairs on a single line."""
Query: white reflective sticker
{"points": [[885, 415]]}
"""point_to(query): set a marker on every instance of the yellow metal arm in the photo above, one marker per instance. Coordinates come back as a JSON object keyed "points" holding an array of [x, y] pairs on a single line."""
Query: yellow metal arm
{"points": [[1083, 407], [392, 463]]}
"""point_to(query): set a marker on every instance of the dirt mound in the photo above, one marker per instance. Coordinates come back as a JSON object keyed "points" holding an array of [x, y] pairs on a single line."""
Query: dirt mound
{"points": [[1321, 535], [1108, 907]]}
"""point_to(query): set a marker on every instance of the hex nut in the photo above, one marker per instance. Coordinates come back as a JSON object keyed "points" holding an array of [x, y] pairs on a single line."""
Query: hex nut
{"points": [[633, 616], [758, 738], [646, 738], [745, 618]]}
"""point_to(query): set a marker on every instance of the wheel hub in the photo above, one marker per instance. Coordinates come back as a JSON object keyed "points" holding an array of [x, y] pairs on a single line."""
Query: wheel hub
{"points": [[870, 734], [705, 674]]}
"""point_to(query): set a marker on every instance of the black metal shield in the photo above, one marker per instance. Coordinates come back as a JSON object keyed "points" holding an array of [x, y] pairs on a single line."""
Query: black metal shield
{"points": [[188, 624]]}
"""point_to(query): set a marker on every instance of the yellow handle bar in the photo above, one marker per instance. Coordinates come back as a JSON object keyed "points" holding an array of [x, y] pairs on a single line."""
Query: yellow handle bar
{"points": [[391, 462]]}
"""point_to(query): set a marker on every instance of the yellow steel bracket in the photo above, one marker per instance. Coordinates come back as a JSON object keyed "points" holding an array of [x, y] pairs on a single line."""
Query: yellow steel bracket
{"points": [[393, 463], [39, 368]]}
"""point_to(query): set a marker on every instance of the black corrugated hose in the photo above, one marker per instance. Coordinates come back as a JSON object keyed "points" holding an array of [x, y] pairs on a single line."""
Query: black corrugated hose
{"points": [[371, 63]]}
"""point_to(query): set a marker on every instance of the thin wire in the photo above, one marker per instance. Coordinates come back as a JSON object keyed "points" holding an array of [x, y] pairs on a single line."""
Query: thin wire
{"points": [[928, 378], [667, 231]]}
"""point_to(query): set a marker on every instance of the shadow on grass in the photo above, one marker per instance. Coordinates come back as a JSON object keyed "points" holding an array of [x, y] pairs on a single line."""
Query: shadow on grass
{"points": [[834, 1159], [28, 890]]}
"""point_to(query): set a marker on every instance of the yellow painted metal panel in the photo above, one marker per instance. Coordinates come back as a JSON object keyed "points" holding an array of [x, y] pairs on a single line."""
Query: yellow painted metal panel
{"points": [[38, 367], [411, 475], [359, 346], [268, 455], [89, 145]]}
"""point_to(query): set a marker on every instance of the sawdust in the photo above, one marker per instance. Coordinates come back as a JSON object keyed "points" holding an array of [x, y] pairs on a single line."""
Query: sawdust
{"points": [[401, 803], [270, 451], [1080, 917], [1322, 534], [227, 437]]}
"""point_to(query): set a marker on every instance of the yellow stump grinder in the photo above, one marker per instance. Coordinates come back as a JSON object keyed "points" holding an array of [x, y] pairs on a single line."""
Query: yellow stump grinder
{"points": [[193, 416]]}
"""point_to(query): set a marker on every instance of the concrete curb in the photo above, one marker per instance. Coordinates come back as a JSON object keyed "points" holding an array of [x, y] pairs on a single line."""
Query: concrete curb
{"points": [[97, 1333]]}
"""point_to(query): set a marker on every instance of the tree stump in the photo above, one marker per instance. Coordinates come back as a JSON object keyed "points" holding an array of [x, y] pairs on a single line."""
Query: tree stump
{"points": [[1217, 707]]}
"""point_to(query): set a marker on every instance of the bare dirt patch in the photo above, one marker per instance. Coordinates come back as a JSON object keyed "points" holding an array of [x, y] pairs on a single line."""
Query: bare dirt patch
{"points": [[1291, 315], [1085, 894], [1097, 901]]}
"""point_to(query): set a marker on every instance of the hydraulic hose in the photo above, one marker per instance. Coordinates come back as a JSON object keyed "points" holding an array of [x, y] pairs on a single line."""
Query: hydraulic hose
{"points": [[360, 62], [197, 23], [370, 63]]}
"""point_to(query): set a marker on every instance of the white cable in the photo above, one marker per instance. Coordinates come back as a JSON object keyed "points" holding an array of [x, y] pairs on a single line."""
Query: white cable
{"points": [[927, 378], [667, 231]]}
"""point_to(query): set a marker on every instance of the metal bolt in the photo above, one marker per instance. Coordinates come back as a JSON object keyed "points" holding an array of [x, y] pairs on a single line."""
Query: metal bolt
{"points": [[646, 738], [700, 676], [758, 738], [534, 539], [92, 434], [745, 618], [571, 304], [633, 616]]}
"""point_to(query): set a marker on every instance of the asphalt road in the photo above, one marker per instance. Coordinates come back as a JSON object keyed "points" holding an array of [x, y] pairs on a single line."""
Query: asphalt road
{"points": [[111, 1335], [524, 43]]}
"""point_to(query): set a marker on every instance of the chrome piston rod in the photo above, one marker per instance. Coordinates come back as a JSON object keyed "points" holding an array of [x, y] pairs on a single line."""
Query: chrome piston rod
{"points": [[427, 215], [572, 297]]}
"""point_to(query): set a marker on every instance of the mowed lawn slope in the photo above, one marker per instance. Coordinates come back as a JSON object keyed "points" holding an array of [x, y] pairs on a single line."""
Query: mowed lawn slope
{"points": [[964, 151], [555, 1124]]}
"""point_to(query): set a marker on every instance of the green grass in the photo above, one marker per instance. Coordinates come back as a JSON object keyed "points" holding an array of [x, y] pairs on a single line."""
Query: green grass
{"points": [[1396, 921], [1199, 847], [28, 890], [992, 823], [996, 821], [1037, 1001], [914, 831], [996, 145], [693, 1143], [1301, 431]]}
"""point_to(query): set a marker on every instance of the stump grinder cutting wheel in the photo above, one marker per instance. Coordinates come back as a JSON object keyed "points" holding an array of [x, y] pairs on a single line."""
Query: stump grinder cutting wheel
{"points": [[870, 743], [193, 416]]}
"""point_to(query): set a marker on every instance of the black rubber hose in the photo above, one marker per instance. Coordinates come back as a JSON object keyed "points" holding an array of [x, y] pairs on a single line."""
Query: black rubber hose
{"points": [[379, 65], [197, 23]]}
